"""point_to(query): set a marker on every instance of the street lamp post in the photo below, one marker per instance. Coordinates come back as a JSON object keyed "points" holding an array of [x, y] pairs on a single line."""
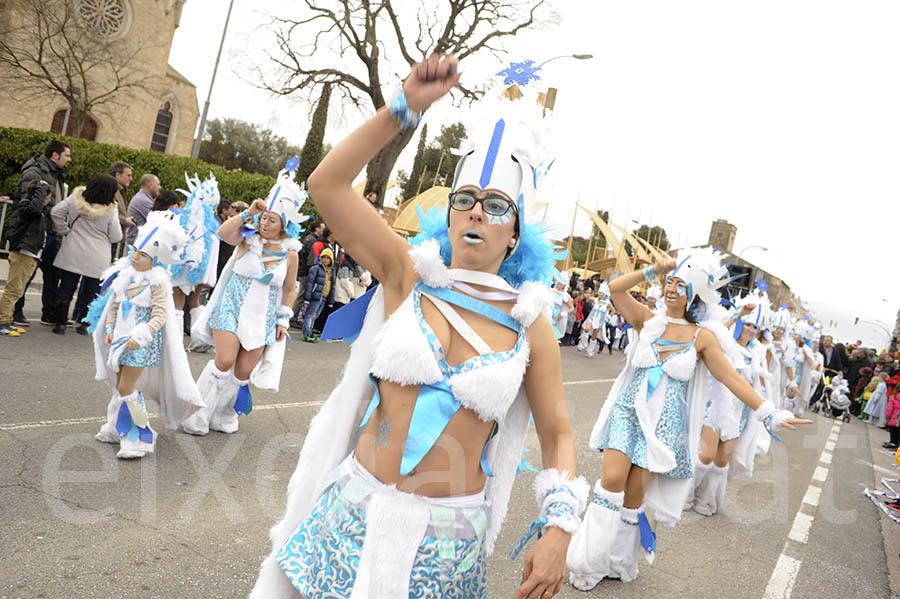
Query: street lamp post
{"points": [[196, 149], [751, 247]]}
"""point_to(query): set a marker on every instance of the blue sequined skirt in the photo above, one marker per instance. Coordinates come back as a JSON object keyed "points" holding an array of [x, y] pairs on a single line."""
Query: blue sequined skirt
{"points": [[226, 314], [322, 557], [623, 431], [148, 356]]}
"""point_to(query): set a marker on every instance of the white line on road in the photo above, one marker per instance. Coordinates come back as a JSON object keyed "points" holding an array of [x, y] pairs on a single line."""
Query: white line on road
{"points": [[829, 446], [781, 583], [302, 404]]}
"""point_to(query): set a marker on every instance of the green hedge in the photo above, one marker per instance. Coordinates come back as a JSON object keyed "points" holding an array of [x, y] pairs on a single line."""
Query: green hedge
{"points": [[90, 158]]}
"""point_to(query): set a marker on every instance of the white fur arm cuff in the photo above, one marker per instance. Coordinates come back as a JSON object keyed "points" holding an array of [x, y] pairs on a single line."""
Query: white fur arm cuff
{"points": [[283, 316], [561, 500], [141, 334], [772, 418]]}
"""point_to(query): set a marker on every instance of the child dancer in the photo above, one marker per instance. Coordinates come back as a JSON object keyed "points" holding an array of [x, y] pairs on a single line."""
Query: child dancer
{"points": [[137, 340]]}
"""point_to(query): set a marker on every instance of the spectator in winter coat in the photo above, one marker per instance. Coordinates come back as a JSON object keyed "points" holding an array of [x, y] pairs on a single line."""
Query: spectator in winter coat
{"points": [[307, 258], [319, 292], [49, 167], [26, 232], [88, 220]]}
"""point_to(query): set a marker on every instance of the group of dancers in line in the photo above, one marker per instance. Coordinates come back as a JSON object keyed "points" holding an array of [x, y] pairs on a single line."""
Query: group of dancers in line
{"points": [[405, 475], [137, 329]]}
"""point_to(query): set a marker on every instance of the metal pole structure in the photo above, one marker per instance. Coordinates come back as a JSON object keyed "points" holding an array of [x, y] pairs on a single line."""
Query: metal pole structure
{"points": [[196, 150], [438, 171], [66, 120], [421, 179], [571, 236]]}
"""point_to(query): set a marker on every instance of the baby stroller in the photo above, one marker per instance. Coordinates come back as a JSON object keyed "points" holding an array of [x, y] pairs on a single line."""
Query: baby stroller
{"points": [[836, 399]]}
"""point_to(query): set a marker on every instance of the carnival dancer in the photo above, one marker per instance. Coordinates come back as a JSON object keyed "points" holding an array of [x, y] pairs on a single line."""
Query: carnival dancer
{"points": [[729, 431], [137, 340], [405, 475], [594, 327], [649, 426], [247, 315], [801, 381], [563, 307], [201, 254], [782, 368]]}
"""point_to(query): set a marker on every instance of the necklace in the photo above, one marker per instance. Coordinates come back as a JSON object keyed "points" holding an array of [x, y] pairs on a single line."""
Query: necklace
{"points": [[671, 320]]}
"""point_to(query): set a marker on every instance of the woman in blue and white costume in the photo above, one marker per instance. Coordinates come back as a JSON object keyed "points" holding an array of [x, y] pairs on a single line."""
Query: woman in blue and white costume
{"points": [[651, 419], [594, 327], [730, 433], [247, 315], [201, 254], [781, 368], [138, 346], [406, 472], [804, 368]]}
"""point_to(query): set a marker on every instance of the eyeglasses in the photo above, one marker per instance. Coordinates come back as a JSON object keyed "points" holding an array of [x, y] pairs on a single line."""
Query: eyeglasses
{"points": [[494, 205]]}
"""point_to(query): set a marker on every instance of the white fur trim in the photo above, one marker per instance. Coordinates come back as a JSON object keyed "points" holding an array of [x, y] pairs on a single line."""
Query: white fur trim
{"points": [[289, 244], [431, 268], [141, 334], [502, 378], [401, 352], [588, 558], [534, 299], [553, 488]]}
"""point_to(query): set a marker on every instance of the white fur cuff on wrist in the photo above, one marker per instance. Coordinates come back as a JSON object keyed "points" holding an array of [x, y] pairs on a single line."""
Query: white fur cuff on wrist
{"points": [[763, 411], [560, 499], [284, 313], [141, 334]]}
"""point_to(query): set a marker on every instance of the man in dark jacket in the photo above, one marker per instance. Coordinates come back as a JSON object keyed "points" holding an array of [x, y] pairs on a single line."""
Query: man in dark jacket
{"points": [[50, 167], [26, 238], [307, 258], [834, 363]]}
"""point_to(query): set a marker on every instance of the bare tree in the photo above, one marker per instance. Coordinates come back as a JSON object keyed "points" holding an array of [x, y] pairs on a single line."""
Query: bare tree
{"points": [[357, 31], [62, 48]]}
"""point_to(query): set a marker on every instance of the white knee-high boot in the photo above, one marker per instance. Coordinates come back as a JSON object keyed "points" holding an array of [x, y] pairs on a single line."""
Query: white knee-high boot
{"points": [[107, 432], [591, 348], [623, 557], [196, 345], [710, 494], [588, 558], [209, 384], [700, 472], [141, 439], [583, 341], [224, 419], [179, 320]]}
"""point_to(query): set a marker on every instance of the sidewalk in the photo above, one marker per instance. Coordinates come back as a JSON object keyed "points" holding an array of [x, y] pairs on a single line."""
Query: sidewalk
{"points": [[883, 467]]}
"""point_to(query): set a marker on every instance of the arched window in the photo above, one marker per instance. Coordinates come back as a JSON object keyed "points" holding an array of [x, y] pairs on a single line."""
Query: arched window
{"points": [[88, 127], [161, 129]]}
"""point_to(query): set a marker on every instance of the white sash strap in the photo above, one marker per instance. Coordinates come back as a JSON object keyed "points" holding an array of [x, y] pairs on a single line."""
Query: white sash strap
{"points": [[461, 326], [481, 278], [490, 296]]}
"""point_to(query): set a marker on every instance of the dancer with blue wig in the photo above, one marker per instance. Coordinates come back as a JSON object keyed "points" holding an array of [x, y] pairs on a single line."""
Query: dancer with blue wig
{"points": [[247, 315], [138, 345], [649, 426], [405, 475]]}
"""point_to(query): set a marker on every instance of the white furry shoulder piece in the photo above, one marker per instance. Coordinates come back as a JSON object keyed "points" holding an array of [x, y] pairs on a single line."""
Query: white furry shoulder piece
{"points": [[289, 244], [428, 262], [535, 298]]}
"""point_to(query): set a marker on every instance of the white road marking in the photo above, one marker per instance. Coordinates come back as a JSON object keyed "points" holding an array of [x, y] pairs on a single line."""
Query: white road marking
{"points": [[800, 529], [18, 426], [829, 446], [781, 583]]}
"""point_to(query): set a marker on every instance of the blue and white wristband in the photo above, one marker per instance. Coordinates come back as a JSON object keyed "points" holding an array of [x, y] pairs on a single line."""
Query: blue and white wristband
{"points": [[401, 112], [650, 274], [561, 501], [283, 316]]}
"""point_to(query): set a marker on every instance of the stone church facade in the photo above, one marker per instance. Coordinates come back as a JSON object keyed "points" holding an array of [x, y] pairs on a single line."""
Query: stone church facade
{"points": [[162, 117]]}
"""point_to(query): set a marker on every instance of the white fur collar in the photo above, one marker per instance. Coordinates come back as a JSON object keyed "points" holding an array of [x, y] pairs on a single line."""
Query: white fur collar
{"points": [[96, 210], [127, 275], [431, 268], [534, 299]]}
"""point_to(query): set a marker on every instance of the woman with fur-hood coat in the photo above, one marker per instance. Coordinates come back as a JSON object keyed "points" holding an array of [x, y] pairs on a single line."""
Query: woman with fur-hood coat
{"points": [[89, 223]]}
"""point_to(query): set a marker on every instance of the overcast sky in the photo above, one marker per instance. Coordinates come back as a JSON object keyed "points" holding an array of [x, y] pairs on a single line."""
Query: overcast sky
{"points": [[782, 117]]}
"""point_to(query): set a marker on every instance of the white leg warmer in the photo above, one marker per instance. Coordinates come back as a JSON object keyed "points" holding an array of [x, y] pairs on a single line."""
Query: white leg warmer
{"points": [[583, 341], [591, 348], [588, 559], [700, 472], [623, 557], [224, 419], [710, 494], [129, 449], [108, 432], [179, 320], [195, 345], [208, 384]]}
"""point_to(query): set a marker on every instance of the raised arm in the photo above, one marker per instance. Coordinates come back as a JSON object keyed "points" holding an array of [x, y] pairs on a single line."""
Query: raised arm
{"points": [[634, 312], [355, 225]]}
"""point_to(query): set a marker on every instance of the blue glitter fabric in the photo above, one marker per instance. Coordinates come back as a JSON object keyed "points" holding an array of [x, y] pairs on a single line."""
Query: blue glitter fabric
{"points": [[226, 314], [623, 431], [322, 557], [148, 356]]}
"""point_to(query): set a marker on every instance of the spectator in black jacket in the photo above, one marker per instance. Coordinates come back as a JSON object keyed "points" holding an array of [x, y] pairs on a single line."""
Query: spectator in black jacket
{"points": [[307, 258], [26, 232], [834, 363], [50, 167], [319, 292]]}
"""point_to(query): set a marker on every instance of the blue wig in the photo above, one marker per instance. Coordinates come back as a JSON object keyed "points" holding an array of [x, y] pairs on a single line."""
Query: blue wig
{"points": [[534, 259]]}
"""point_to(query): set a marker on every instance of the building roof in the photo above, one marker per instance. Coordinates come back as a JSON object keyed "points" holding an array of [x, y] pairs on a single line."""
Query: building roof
{"points": [[407, 219], [171, 72]]}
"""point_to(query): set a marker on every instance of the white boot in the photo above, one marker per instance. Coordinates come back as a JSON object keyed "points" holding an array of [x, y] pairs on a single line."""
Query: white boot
{"points": [[209, 383], [588, 558], [700, 472], [179, 320], [195, 345], [710, 494], [108, 432], [591, 348], [583, 341], [136, 447], [224, 419], [623, 557]]}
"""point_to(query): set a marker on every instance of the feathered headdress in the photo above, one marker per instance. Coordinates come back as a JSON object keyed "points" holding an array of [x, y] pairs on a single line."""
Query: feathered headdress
{"points": [[761, 314], [705, 274], [205, 191]]}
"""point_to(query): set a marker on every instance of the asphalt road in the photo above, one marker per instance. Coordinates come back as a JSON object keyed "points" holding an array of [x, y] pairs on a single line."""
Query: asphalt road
{"points": [[192, 520]]}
